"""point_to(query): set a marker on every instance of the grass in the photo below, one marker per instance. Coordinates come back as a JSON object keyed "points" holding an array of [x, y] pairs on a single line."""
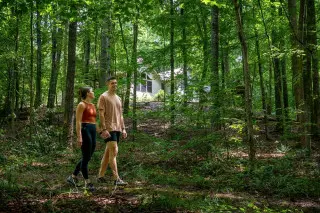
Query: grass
{"points": [[184, 173]]}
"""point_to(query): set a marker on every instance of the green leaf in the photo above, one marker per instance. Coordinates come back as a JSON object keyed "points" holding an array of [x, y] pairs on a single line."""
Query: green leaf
{"points": [[213, 3]]}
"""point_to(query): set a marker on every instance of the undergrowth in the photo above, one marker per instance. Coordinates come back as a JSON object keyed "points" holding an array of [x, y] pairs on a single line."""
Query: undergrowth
{"points": [[186, 169]]}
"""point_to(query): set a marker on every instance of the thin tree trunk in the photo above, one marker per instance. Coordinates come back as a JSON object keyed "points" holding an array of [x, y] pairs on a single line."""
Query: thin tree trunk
{"points": [[215, 90], [68, 110], [105, 61], [38, 99], [268, 96], [203, 32], [226, 101], [277, 73], [285, 94], [312, 40], [103, 54], [205, 54], [65, 62], [301, 78], [248, 103], [87, 49], [16, 65], [129, 72], [54, 71], [135, 71], [262, 87], [184, 57], [56, 56], [172, 84], [31, 73], [292, 12]]}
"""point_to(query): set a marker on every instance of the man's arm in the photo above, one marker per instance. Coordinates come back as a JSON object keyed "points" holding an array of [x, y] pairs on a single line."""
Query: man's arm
{"points": [[101, 106], [123, 127]]}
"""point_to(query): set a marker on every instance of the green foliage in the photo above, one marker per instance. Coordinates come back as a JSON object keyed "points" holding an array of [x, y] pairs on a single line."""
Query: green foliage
{"points": [[159, 96]]}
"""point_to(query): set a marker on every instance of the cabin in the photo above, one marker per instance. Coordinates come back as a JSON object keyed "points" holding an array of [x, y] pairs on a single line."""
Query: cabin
{"points": [[151, 85]]}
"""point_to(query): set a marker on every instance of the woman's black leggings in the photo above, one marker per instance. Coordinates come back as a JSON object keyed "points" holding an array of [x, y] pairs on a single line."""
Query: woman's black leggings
{"points": [[88, 132]]}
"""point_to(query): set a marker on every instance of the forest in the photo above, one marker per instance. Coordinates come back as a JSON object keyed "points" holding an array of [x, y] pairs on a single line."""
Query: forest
{"points": [[220, 101]]}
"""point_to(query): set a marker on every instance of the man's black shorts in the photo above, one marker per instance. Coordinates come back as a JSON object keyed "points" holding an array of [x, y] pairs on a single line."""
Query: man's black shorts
{"points": [[115, 136]]}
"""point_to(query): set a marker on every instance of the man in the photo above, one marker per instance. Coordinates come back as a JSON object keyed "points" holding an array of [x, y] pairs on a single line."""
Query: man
{"points": [[112, 125]]}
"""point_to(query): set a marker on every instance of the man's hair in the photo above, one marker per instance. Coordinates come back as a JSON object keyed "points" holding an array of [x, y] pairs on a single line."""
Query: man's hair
{"points": [[111, 78]]}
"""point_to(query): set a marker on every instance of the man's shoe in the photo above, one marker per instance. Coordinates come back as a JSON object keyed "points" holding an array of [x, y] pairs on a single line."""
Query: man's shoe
{"points": [[102, 180], [120, 182], [72, 181]]}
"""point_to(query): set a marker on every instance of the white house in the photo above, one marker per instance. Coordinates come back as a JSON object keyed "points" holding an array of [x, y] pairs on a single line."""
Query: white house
{"points": [[152, 83]]}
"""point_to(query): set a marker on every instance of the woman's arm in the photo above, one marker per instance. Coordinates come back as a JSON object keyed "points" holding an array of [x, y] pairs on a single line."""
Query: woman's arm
{"points": [[80, 108]]}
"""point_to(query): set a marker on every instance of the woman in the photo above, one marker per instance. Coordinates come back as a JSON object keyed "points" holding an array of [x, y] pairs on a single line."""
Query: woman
{"points": [[86, 136]]}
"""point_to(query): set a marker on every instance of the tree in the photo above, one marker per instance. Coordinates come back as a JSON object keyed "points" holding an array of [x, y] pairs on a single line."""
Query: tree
{"points": [[105, 61], [31, 71], [184, 55], [262, 86], [172, 85], [38, 99], [69, 104], [313, 57], [215, 90], [248, 104], [56, 55], [135, 67]]}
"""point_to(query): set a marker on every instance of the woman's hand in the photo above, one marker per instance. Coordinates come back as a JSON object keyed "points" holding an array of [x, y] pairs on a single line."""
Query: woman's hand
{"points": [[79, 142]]}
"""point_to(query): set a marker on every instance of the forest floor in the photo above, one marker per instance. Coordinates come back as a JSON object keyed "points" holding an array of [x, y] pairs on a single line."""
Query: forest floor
{"points": [[180, 169]]}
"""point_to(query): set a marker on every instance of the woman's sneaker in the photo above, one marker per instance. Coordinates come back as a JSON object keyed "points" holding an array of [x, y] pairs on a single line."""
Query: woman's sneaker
{"points": [[90, 187], [120, 182], [72, 181]]}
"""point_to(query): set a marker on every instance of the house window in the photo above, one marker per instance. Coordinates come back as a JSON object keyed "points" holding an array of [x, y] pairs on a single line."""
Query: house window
{"points": [[145, 84]]}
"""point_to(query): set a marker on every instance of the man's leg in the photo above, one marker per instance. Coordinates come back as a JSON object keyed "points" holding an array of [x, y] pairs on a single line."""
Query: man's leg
{"points": [[104, 162], [113, 152]]}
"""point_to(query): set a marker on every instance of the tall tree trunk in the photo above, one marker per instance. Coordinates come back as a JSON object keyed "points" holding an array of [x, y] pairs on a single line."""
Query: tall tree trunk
{"points": [[205, 55], [38, 99], [65, 62], [96, 64], [215, 90], [301, 77], [87, 49], [203, 32], [312, 46], [172, 84], [16, 64], [184, 57], [68, 107], [10, 99], [103, 55], [277, 73], [105, 61], [268, 95], [54, 71], [248, 102], [135, 70], [225, 101], [285, 94], [283, 83], [262, 86], [129, 72], [55, 65], [292, 12], [31, 73]]}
